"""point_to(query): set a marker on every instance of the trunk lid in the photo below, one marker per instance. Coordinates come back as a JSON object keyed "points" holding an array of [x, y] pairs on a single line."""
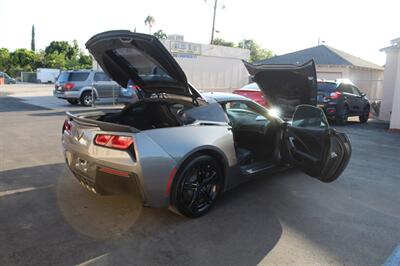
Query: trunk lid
{"points": [[286, 86], [141, 58]]}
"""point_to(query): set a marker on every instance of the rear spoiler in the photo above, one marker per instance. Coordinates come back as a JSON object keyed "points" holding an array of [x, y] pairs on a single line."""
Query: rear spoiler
{"points": [[106, 126]]}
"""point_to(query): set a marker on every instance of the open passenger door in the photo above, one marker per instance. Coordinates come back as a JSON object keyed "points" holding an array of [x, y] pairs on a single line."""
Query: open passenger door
{"points": [[309, 145]]}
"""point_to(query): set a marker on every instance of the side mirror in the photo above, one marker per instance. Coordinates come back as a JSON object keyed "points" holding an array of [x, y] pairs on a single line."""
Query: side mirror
{"points": [[308, 116], [261, 118], [363, 94]]}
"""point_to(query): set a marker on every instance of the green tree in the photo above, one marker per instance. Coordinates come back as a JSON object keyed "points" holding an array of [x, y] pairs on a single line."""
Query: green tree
{"points": [[33, 38], [63, 47], [85, 61], [149, 21], [55, 60], [222, 42], [22, 60], [160, 34], [257, 53], [5, 62]]}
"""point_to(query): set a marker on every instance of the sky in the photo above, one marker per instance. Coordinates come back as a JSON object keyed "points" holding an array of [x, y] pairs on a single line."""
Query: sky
{"points": [[354, 26]]}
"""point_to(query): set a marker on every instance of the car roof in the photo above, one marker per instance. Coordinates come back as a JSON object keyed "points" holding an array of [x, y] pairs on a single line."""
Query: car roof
{"points": [[250, 87], [224, 96]]}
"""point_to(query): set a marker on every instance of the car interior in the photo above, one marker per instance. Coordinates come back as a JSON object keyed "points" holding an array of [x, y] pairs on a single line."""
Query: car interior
{"points": [[148, 115], [256, 134]]}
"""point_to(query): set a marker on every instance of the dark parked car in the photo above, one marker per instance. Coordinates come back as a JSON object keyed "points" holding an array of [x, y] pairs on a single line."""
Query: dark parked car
{"points": [[341, 100], [76, 86], [7, 78], [182, 149]]}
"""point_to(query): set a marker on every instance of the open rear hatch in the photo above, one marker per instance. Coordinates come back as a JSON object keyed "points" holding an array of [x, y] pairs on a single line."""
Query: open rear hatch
{"points": [[141, 58], [286, 86]]}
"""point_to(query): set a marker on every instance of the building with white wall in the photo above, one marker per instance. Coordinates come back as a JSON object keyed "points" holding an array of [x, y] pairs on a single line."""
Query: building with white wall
{"points": [[208, 67], [334, 64], [390, 107]]}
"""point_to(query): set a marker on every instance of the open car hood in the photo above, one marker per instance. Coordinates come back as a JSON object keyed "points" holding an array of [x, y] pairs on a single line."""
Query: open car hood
{"points": [[141, 58], [286, 86]]}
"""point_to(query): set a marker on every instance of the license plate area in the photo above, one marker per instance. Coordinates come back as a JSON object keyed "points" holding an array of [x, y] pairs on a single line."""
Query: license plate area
{"points": [[81, 165]]}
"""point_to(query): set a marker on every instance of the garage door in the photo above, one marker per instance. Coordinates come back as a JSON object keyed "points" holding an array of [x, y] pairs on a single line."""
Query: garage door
{"points": [[329, 75]]}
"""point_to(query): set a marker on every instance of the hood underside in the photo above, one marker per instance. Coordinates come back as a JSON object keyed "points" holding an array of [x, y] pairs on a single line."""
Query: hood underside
{"points": [[129, 57], [286, 86]]}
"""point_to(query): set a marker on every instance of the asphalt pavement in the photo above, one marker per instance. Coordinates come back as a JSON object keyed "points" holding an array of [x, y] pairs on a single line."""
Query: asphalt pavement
{"points": [[47, 218]]}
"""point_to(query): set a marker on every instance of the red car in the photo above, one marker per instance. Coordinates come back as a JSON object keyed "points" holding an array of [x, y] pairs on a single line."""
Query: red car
{"points": [[252, 92]]}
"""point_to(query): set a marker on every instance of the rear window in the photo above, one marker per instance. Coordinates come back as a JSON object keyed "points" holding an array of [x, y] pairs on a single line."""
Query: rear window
{"points": [[63, 77], [142, 64], [326, 88], [72, 76], [75, 76]]}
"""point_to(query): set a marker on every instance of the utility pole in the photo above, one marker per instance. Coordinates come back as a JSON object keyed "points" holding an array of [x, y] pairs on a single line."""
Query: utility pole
{"points": [[213, 24]]}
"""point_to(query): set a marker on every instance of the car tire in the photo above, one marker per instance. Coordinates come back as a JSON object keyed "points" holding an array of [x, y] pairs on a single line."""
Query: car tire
{"points": [[197, 186], [73, 101], [365, 115], [86, 98], [341, 120]]}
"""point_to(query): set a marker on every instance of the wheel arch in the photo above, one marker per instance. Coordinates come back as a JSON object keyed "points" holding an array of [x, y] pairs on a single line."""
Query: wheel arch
{"points": [[85, 89], [212, 151]]}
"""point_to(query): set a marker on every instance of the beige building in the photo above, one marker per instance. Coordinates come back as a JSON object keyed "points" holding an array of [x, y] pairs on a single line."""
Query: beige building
{"points": [[334, 64], [390, 108]]}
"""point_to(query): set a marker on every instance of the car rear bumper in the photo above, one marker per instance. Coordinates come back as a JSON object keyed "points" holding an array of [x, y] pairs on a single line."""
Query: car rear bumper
{"points": [[66, 94], [101, 179], [330, 109]]}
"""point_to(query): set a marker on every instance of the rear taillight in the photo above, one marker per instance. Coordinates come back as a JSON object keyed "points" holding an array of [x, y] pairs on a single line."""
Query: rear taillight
{"points": [[134, 87], [335, 95], [67, 126], [69, 86], [113, 141]]}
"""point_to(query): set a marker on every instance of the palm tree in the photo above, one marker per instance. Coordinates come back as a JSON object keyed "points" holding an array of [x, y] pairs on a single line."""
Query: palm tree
{"points": [[150, 21]]}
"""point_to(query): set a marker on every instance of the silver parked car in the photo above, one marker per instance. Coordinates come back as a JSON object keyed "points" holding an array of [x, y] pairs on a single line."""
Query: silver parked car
{"points": [[180, 149], [76, 86]]}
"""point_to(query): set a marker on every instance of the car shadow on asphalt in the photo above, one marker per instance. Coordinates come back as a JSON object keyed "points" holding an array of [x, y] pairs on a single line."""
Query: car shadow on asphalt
{"points": [[48, 217], [11, 104], [54, 216]]}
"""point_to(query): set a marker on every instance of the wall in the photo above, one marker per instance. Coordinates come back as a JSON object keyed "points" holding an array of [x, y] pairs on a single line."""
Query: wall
{"points": [[329, 72], [369, 81], [395, 117], [392, 69], [211, 67], [214, 73]]}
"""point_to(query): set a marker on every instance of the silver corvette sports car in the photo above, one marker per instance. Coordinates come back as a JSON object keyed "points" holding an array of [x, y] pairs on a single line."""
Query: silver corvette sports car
{"points": [[180, 149]]}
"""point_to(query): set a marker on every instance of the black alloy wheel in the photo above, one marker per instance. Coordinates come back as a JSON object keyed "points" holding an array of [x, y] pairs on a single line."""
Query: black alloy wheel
{"points": [[197, 186]]}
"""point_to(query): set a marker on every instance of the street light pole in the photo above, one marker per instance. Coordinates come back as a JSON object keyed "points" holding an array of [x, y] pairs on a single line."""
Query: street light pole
{"points": [[213, 24]]}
